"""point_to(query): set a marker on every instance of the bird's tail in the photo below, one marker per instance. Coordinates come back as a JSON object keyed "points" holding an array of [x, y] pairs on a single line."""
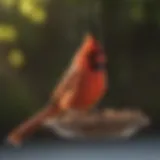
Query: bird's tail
{"points": [[28, 127]]}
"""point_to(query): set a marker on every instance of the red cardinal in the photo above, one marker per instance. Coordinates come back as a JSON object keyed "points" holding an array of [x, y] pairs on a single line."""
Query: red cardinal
{"points": [[81, 87]]}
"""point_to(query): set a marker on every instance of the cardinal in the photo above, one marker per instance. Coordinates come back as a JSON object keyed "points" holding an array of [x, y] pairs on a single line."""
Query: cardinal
{"points": [[81, 87]]}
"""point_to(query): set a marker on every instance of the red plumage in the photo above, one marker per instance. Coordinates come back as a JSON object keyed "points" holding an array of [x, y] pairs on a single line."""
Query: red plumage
{"points": [[80, 88]]}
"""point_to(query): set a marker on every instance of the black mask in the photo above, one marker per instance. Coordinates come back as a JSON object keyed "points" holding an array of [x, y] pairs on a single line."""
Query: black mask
{"points": [[94, 64]]}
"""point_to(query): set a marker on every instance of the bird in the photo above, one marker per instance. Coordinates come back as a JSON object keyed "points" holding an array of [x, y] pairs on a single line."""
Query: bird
{"points": [[81, 87]]}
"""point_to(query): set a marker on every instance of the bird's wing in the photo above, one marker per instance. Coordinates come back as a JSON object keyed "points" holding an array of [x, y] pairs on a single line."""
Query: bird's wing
{"points": [[70, 81]]}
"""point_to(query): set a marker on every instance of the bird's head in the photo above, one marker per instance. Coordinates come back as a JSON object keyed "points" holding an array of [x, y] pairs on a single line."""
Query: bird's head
{"points": [[91, 55]]}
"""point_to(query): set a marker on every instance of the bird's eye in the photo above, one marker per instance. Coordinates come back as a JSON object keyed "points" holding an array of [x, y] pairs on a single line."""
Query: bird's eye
{"points": [[96, 61]]}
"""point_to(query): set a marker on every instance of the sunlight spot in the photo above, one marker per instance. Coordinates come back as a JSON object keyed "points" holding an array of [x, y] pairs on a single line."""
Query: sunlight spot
{"points": [[7, 33], [7, 3], [16, 58], [39, 16]]}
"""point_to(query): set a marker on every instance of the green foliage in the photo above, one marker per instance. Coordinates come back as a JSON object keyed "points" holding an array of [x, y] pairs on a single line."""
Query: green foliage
{"points": [[137, 11], [32, 10], [8, 3], [8, 33], [16, 58]]}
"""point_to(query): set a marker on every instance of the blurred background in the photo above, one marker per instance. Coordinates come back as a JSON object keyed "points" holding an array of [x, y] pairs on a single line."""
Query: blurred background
{"points": [[39, 37]]}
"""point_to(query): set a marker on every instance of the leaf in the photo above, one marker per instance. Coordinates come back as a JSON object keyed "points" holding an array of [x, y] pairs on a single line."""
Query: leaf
{"points": [[7, 33], [8, 3], [16, 58], [32, 10], [39, 16]]}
